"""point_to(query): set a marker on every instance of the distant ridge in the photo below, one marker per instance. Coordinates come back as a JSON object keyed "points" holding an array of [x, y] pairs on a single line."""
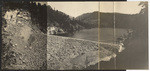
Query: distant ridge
{"points": [[107, 19]]}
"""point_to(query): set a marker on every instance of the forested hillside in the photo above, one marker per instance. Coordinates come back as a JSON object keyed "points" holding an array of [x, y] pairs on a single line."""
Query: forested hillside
{"points": [[63, 21], [107, 19]]}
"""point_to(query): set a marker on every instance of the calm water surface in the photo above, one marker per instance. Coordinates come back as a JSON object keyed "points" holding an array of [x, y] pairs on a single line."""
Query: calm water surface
{"points": [[106, 34]]}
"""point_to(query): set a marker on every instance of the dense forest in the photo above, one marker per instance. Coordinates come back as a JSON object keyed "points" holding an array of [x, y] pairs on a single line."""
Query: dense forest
{"points": [[107, 19], [59, 19]]}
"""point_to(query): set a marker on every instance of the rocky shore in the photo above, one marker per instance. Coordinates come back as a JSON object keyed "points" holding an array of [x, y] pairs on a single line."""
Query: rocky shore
{"points": [[64, 53]]}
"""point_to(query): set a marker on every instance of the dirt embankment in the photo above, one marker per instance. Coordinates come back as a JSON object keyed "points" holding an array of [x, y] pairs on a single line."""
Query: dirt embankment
{"points": [[70, 53], [24, 45]]}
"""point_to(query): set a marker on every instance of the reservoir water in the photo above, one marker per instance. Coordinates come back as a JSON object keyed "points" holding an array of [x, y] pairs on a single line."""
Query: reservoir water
{"points": [[106, 34]]}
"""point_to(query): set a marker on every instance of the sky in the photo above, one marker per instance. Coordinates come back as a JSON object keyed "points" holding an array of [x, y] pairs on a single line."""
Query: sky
{"points": [[130, 7], [75, 9]]}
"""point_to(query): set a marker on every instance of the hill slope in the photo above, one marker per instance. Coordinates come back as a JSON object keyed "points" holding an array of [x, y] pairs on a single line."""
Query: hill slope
{"points": [[23, 39], [107, 20], [63, 21]]}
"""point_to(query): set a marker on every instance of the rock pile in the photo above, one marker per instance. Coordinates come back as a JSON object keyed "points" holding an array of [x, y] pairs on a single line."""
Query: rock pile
{"points": [[24, 45], [65, 53]]}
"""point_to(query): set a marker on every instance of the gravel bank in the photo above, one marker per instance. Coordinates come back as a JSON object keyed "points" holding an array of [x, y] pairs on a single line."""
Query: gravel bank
{"points": [[70, 53]]}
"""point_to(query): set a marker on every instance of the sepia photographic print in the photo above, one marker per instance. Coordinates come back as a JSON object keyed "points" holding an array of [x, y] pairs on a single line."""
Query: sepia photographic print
{"points": [[72, 35]]}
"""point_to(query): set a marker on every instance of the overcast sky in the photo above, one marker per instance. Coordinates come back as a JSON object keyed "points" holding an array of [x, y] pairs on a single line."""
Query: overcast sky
{"points": [[129, 7], [75, 9]]}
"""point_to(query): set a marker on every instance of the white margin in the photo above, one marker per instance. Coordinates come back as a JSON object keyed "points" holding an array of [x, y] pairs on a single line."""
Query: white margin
{"points": [[148, 31]]}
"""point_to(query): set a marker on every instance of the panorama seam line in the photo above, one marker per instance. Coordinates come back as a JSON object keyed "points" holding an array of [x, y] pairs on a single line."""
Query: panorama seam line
{"points": [[98, 35], [47, 38], [114, 32]]}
